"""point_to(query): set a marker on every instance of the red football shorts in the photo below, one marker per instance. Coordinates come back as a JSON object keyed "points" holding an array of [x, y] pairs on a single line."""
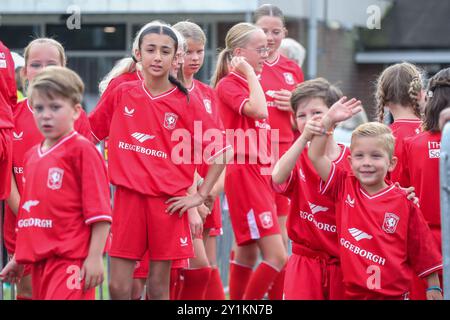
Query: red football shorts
{"points": [[214, 219], [312, 276], [59, 279], [140, 223], [253, 212]]}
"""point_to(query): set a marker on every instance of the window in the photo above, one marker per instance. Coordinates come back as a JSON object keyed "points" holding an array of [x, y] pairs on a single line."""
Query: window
{"points": [[90, 37], [18, 37]]}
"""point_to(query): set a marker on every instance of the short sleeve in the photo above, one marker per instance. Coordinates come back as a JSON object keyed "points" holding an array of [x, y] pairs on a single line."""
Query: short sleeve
{"points": [[100, 118], [233, 95], [83, 127], [286, 188], [423, 251], [335, 185], [95, 185]]}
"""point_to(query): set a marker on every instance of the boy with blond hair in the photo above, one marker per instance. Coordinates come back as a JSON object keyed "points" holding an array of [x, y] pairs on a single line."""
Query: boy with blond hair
{"points": [[383, 236]]}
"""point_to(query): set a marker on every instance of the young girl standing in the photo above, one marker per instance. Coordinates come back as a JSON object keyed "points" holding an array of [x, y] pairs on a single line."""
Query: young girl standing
{"points": [[200, 278], [420, 169], [140, 141], [243, 108], [399, 89]]}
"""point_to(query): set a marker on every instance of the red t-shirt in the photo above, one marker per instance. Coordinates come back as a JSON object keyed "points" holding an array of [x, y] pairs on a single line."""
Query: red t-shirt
{"points": [[401, 129], [8, 91], [26, 135], [382, 238], [283, 73], [153, 148], [421, 156], [206, 98], [124, 77], [66, 190], [251, 138], [312, 219]]}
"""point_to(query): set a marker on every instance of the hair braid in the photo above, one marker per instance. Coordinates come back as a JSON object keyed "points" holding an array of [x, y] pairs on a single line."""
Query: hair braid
{"points": [[415, 87]]}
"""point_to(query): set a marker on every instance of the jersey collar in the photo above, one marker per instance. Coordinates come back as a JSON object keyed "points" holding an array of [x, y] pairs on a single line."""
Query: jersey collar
{"points": [[60, 142]]}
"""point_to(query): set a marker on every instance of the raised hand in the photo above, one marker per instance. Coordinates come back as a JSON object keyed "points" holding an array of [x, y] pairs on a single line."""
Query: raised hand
{"points": [[343, 110], [241, 65], [313, 127]]}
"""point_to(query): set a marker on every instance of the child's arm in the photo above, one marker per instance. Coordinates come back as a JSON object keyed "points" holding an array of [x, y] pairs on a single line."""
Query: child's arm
{"points": [[434, 291], [195, 222], [13, 200], [216, 190], [340, 111], [92, 270], [12, 272], [286, 164], [256, 107], [195, 200]]}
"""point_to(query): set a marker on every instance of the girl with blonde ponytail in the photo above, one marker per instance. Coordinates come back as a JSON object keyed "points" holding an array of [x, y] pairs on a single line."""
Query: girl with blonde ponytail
{"points": [[243, 107]]}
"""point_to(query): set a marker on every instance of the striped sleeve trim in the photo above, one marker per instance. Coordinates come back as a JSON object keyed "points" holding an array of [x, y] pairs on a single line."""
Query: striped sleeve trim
{"points": [[98, 140], [98, 218], [431, 270], [323, 189], [242, 105], [282, 187]]}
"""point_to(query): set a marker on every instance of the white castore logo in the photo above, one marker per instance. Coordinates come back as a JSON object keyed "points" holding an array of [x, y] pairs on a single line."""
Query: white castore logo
{"points": [[142, 137], [350, 201], [128, 112], [359, 235], [184, 241], [18, 136], [30, 203], [315, 208]]}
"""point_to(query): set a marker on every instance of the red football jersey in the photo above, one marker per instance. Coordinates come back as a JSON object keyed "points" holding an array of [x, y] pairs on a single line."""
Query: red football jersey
{"points": [[401, 129], [124, 77], [206, 98], [8, 91], [382, 238], [251, 138], [66, 190], [283, 73], [26, 135], [421, 156], [147, 132], [312, 220]]}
